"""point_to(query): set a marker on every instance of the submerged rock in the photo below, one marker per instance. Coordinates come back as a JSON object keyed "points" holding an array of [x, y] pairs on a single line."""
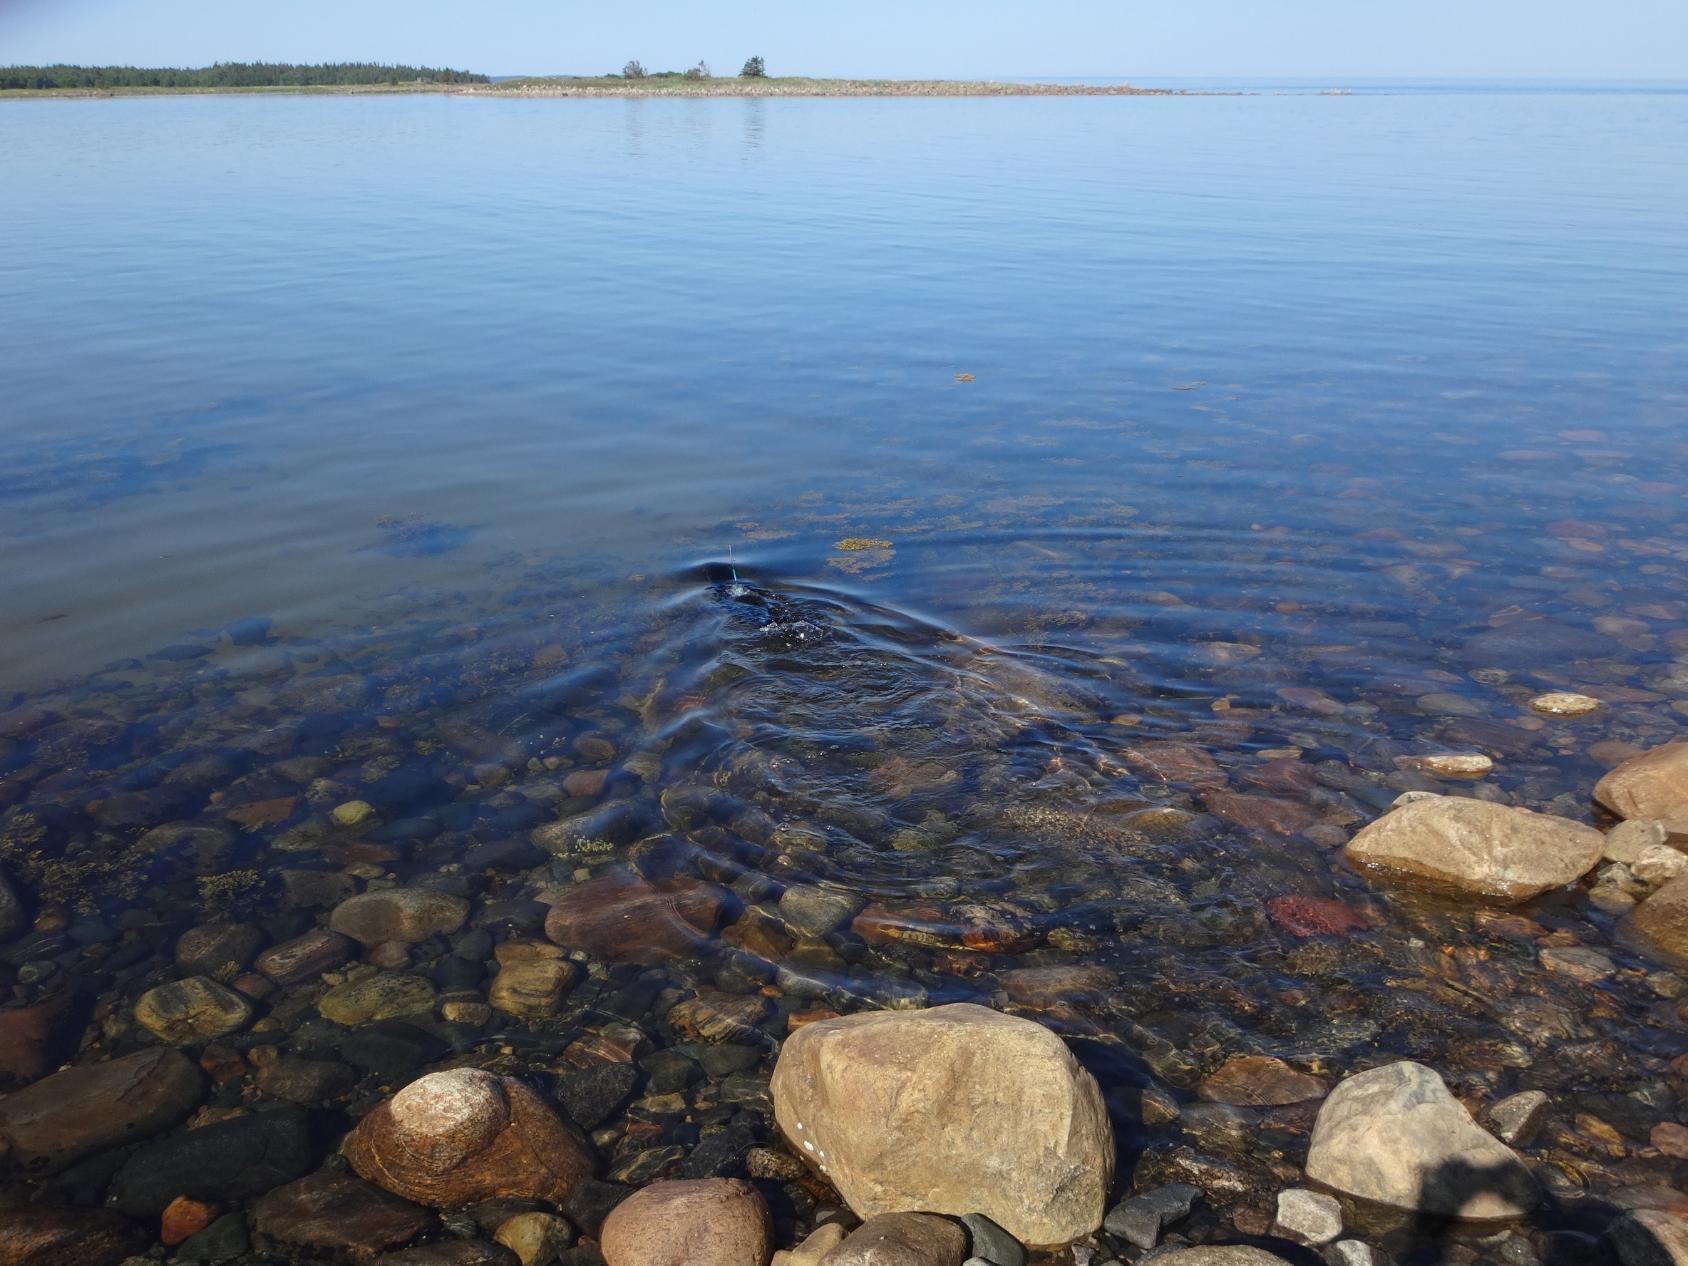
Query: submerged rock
{"points": [[708, 1222], [958, 1109], [406, 915], [49, 1236], [93, 1107], [621, 916], [185, 1012], [453, 1138], [1395, 1136], [1652, 785], [1489, 850], [331, 1212]]}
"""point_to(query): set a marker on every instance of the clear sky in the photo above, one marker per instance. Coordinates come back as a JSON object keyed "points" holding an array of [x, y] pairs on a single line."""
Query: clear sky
{"points": [[1158, 39]]}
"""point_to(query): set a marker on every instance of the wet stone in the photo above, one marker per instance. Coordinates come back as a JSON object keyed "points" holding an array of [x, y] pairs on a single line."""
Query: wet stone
{"points": [[593, 1094], [49, 1236], [988, 1242], [534, 988], [305, 957], [304, 1081], [1580, 963], [191, 1011], [1260, 1081], [332, 1212], [814, 910], [1142, 1219], [383, 996], [218, 950], [230, 1160], [405, 915], [1308, 1217], [93, 1107]]}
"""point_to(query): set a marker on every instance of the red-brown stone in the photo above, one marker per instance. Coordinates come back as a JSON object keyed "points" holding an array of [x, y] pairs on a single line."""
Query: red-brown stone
{"points": [[1315, 916], [622, 917]]}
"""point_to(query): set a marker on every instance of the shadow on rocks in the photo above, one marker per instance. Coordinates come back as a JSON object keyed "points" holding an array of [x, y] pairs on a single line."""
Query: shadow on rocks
{"points": [[1567, 1232]]}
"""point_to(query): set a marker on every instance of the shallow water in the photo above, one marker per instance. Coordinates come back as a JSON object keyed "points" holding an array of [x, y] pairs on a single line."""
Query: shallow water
{"points": [[1307, 434]]}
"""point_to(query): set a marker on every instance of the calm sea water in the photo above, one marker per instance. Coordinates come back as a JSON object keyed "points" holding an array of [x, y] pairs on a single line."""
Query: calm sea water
{"points": [[1305, 434]]}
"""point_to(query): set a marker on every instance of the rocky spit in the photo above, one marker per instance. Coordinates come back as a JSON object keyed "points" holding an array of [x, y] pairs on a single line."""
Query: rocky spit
{"points": [[589, 1041]]}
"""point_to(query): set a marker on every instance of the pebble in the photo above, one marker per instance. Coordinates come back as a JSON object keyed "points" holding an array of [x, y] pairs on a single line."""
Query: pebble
{"points": [[1658, 864], [1310, 1217], [1455, 765], [1350, 1253], [1564, 704], [353, 813], [383, 996], [1628, 840], [406, 915]]}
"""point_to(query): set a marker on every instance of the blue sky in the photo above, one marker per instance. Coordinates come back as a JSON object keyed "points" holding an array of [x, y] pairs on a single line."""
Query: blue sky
{"points": [[1160, 39]]}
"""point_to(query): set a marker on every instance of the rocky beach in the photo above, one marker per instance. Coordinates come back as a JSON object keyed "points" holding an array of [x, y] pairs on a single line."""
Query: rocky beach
{"points": [[329, 987]]}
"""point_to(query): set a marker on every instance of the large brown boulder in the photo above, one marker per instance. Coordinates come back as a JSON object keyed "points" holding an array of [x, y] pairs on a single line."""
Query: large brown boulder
{"points": [[708, 1222], [619, 916], [1488, 850], [1395, 1136], [1651, 785], [1662, 920], [955, 1110], [456, 1137], [88, 1109]]}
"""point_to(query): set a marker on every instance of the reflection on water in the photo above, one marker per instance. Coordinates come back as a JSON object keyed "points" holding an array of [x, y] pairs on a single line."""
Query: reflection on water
{"points": [[1202, 464]]}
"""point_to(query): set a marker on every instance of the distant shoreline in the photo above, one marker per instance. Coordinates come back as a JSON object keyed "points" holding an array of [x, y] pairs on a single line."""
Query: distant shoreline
{"points": [[663, 87]]}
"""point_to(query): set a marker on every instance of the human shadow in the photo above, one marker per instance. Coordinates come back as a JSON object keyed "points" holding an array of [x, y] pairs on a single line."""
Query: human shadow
{"points": [[1568, 1232]]}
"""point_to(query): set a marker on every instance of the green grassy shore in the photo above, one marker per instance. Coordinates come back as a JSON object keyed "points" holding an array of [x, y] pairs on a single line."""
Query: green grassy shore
{"points": [[612, 86]]}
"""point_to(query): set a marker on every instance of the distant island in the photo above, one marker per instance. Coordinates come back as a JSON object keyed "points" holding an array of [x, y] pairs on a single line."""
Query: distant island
{"points": [[228, 75], [372, 77]]}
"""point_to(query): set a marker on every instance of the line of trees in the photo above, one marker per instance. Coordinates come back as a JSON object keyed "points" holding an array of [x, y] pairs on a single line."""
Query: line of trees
{"points": [[230, 75], [754, 68]]}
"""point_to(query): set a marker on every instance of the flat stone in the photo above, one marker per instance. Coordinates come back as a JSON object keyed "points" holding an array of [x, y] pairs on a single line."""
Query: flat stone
{"points": [[1350, 1253], [384, 996], [957, 1109], [899, 1239], [1142, 1219], [715, 1017], [1652, 785], [1220, 1255], [533, 989], [43, 1235], [1259, 1081], [353, 813], [451, 1253], [1452, 765], [1564, 703], [306, 957], [619, 916], [338, 1213], [94, 1107], [1308, 1217], [1578, 962], [708, 1222], [1045, 988], [1487, 850], [1394, 1136], [406, 915], [1518, 1118], [191, 1011], [1269, 814], [816, 1245]]}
